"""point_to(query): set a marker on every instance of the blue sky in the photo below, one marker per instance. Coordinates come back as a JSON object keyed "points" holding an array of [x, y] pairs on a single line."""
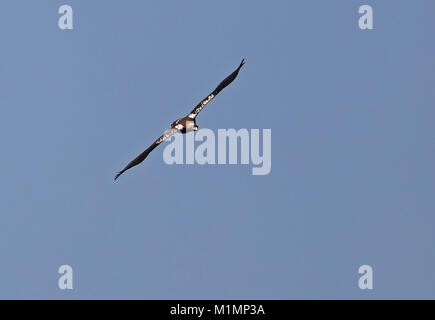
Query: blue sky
{"points": [[352, 179]]}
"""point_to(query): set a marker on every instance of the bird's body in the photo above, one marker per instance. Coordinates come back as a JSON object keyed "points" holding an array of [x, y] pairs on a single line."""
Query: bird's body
{"points": [[183, 125]]}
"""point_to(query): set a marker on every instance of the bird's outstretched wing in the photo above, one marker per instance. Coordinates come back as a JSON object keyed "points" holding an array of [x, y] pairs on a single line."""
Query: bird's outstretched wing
{"points": [[145, 154], [221, 85]]}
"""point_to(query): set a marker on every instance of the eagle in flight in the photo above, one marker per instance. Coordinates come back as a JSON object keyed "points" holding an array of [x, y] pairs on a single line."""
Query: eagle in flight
{"points": [[183, 125]]}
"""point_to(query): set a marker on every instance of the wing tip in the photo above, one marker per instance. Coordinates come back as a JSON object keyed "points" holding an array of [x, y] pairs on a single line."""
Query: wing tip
{"points": [[117, 175]]}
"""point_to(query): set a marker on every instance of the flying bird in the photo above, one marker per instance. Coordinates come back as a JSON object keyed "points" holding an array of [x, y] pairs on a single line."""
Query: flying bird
{"points": [[183, 125]]}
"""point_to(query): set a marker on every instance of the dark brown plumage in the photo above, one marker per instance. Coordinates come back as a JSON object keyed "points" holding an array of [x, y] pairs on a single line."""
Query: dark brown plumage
{"points": [[183, 125]]}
